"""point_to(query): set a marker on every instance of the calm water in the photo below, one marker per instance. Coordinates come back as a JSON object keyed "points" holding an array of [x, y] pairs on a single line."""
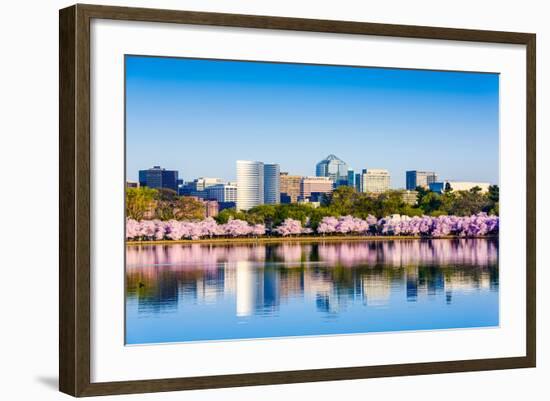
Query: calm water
{"points": [[213, 292]]}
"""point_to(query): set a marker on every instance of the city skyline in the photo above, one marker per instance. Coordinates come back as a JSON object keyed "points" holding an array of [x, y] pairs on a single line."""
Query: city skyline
{"points": [[220, 179], [176, 109]]}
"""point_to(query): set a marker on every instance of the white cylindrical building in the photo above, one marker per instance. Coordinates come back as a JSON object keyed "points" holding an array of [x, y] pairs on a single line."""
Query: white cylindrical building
{"points": [[250, 184]]}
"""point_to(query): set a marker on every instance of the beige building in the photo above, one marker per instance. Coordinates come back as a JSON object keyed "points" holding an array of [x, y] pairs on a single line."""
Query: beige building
{"points": [[410, 197], [311, 185], [459, 186], [375, 180], [467, 185], [290, 185]]}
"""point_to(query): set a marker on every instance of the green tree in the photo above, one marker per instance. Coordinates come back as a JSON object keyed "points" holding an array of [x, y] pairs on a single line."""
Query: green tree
{"points": [[167, 195], [263, 214], [316, 215], [494, 209], [421, 192], [430, 202], [468, 202], [189, 208], [390, 202], [342, 200], [165, 210], [476, 189], [294, 211], [364, 206], [411, 211], [493, 193], [227, 214], [140, 201]]}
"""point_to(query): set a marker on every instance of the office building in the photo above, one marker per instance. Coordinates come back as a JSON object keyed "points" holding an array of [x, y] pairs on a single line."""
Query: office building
{"points": [[333, 168], [158, 177], [315, 185], [416, 178], [410, 197], [271, 184], [351, 178], [250, 184], [442, 186], [375, 180], [358, 182], [199, 187], [226, 192], [289, 187]]}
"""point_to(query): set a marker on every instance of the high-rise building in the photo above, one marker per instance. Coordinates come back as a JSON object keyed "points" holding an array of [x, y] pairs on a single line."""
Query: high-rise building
{"points": [[416, 178], [334, 168], [271, 184], [315, 185], [358, 182], [375, 180], [250, 184], [351, 178], [158, 177], [289, 187]]}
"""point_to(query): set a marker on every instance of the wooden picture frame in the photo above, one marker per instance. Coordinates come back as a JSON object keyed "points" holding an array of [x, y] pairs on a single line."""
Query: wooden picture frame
{"points": [[74, 203]]}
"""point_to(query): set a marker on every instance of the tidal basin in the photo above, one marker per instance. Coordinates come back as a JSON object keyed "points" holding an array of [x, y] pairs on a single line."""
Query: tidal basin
{"points": [[198, 292]]}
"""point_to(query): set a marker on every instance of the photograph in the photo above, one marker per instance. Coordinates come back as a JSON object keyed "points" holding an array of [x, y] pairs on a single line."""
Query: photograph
{"points": [[268, 200]]}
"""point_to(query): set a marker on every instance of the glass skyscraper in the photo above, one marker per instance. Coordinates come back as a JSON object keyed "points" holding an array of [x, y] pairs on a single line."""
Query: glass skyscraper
{"points": [[158, 177], [351, 178], [334, 168], [271, 183]]}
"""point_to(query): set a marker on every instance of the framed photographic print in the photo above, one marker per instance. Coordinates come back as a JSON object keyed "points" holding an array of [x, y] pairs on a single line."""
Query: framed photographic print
{"points": [[250, 200]]}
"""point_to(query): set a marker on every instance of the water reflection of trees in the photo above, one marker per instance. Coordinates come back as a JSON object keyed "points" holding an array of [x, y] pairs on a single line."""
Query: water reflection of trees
{"points": [[262, 277]]}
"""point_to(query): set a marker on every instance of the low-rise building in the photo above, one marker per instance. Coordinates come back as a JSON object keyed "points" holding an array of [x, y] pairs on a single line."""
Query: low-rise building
{"points": [[410, 197], [226, 192], [199, 187], [448, 185], [318, 185], [211, 208]]}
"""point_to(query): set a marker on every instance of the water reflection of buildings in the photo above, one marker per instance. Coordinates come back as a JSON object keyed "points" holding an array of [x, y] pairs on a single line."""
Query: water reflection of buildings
{"points": [[261, 278]]}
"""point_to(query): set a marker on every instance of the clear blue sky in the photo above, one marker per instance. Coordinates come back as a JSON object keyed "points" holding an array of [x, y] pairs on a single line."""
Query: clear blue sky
{"points": [[200, 116]]}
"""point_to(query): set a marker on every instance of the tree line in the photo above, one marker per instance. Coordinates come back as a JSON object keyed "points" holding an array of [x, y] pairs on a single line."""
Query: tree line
{"points": [[146, 203]]}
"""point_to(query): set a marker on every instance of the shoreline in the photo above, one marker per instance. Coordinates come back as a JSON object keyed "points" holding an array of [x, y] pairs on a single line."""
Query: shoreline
{"points": [[303, 239]]}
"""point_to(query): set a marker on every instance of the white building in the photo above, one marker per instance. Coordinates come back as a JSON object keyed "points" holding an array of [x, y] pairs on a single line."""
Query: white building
{"points": [[223, 192], [459, 186], [375, 180], [250, 184], [204, 182]]}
